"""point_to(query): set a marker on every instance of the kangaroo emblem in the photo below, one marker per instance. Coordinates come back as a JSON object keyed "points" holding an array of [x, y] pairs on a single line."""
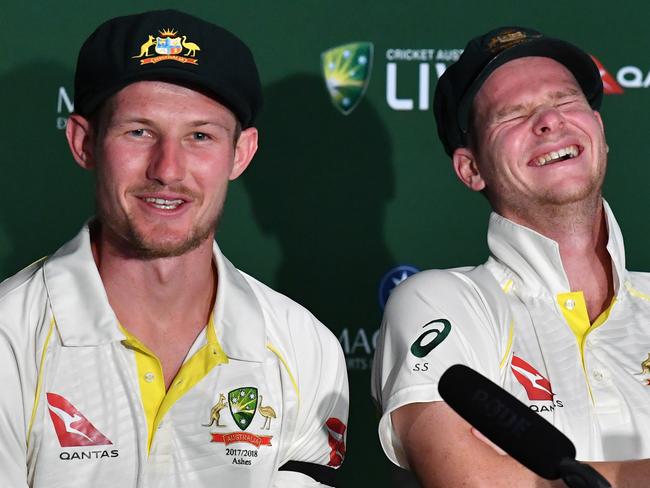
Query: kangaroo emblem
{"points": [[214, 412], [144, 49], [645, 366]]}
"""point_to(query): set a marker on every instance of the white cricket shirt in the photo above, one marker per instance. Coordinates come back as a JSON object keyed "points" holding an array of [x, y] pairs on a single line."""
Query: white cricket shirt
{"points": [[84, 402], [516, 321]]}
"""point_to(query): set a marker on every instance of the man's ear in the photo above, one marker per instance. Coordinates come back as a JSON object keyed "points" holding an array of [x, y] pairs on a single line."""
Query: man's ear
{"points": [[466, 169], [244, 151], [79, 134]]}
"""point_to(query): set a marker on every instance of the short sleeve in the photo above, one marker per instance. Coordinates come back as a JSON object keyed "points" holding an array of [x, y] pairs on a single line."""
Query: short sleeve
{"points": [[433, 320], [317, 445], [13, 441]]}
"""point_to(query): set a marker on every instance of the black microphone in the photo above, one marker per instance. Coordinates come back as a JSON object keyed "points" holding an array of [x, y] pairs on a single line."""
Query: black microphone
{"points": [[511, 425]]}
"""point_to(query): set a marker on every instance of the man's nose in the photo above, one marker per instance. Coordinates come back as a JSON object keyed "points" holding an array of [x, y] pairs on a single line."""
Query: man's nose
{"points": [[167, 165], [547, 119]]}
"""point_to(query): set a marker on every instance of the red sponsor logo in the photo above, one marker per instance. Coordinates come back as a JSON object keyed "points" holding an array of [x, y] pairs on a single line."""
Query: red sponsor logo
{"points": [[232, 437], [336, 441], [72, 428], [610, 86], [537, 387]]}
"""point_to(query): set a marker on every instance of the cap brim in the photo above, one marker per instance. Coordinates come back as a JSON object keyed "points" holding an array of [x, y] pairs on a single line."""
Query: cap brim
{"points": [[575, 60]]}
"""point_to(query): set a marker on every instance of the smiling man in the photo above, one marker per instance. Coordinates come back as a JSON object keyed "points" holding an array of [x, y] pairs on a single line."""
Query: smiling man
{"points": [[137, 354], [553, 316]]}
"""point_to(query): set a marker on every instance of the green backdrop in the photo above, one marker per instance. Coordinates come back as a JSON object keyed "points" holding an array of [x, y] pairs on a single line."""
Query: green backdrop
{"points": [[331, 202]]}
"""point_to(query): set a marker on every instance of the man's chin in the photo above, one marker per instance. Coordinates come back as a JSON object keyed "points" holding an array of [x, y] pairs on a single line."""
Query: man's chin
{"points": [[145, 249]]}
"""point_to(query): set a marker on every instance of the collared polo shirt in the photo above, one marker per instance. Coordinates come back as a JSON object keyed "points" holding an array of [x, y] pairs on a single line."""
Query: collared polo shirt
{"points": [[85, 403], [516, 320]]}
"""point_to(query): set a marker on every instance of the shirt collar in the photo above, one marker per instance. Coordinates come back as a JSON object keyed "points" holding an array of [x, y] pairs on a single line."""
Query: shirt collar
{"points": [[535, 259], [79, 303], [238, 316], [84, 317]]}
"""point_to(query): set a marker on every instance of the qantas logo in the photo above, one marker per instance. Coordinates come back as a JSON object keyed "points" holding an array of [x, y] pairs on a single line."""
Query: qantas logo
{"points": [[610, 87], [537, 387], [336, 441], [72, 428]]}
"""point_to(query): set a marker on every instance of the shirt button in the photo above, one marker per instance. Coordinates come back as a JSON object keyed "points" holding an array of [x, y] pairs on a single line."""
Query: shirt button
{"points": [[597, 374], [570, 304], [149, 377]]}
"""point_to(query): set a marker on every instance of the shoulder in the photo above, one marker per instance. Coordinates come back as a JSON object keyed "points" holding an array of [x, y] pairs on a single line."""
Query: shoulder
{"points": [[637, 285], [12, 286], [21, 296], [448, 291], [288, 320]]}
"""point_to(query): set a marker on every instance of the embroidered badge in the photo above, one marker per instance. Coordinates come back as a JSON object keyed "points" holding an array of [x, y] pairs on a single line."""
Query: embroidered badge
{"points": [[645, 370], [167, 47], [214, 411], [243, 403]]}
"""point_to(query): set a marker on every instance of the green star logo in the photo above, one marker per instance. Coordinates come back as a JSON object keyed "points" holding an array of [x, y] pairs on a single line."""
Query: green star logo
{"points": [[243, 403], [346, 70]]}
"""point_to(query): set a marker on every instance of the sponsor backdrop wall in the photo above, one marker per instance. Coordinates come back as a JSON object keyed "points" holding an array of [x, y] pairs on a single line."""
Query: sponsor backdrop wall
{"points": [[348, 184]]}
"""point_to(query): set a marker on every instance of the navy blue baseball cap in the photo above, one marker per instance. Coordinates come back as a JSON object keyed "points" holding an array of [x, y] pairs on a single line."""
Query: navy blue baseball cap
{"points": [[167, 45], [457, 87]]}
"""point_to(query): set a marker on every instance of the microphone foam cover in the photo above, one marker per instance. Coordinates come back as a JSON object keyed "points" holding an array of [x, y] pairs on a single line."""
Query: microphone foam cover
{"points": [[511, 425]]}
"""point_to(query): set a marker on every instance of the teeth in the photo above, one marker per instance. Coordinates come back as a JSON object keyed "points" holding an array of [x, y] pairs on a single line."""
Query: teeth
{"points": [[564, 153], [163, 203]]}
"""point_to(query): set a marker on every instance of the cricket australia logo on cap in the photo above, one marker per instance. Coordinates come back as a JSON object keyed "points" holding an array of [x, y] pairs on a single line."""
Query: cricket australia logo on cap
{"points": [[167, 46], [509, 38]]}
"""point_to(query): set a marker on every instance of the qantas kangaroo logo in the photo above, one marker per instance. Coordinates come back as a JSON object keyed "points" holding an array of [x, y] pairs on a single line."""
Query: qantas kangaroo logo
{"points": [[537, 387], [72, 428]]}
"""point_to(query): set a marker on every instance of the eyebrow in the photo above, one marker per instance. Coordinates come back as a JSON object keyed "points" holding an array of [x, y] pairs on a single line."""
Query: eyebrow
{"points": [[150, 122], [513, 109]]}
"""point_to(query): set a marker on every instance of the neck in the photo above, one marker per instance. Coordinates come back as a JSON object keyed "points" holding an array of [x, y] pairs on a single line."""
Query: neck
{"points": [[158, 293], [580, 229]]}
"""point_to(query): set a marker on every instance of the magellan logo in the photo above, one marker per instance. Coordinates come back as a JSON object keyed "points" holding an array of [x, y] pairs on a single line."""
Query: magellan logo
{"points": [[346, 70], [72, 428], [537, 387], [424, 344], [392, 278], [169, 47]]}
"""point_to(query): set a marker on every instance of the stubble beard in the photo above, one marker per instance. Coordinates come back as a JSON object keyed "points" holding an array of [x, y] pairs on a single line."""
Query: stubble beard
{"points": [[557, 204], [139, 245]]}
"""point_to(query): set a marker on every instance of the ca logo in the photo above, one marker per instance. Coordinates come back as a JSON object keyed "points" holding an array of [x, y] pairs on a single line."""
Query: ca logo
{"points": [[441, 329]]}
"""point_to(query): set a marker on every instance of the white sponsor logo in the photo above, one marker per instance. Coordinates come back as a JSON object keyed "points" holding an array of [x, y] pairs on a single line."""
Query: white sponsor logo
{"points": [[633, 77], [401, 61], [64, 107], [359, 346]]}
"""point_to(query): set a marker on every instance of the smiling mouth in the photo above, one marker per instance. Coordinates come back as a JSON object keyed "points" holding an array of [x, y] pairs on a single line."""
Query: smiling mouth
{"points": [[164, 204], [563, 154]]}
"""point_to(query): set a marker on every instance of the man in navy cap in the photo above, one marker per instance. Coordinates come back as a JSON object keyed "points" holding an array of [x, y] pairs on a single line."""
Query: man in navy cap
{"points": [[137, 354], [553, 316]]}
